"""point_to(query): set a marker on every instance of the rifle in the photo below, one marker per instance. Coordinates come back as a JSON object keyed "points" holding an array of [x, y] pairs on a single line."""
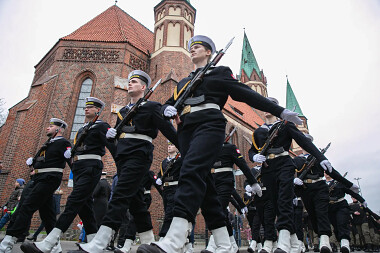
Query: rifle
{"points": [[331, 188], [230, 135], [84, 134], [170, 166], [306, 167], [133, 111], [192, 85]]}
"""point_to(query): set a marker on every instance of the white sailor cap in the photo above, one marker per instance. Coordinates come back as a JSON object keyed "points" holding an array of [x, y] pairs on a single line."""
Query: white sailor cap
{"points": [[140, 75], [309, 137], [95, 101], [104, 173], [273, 100], [202, 40], [58, 122]]}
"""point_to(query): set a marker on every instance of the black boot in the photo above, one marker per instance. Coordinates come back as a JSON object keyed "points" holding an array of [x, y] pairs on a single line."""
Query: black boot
{"points": [[152, 248], [316, 248], [32, 238]]}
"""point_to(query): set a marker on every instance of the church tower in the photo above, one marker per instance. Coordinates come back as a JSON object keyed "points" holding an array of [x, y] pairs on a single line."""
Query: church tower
{"points": [[292, 104], [250, 73], [170, 60]]}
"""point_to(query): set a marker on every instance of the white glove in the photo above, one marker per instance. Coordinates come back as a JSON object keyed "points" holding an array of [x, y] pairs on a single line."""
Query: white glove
{"points": [[244, 210], [291, 116], [326, 165], [248, 193], [354, 188], [67, 153], [256, 189], [297, 181], [111, 133], [159, 181], [248, 188], [170, 111], [365, 204], [29, 161], [259, 158], [295, 201]]}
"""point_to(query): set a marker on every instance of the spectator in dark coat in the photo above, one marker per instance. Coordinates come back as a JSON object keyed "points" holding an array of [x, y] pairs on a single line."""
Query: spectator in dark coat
{"points": [[12, 202]]}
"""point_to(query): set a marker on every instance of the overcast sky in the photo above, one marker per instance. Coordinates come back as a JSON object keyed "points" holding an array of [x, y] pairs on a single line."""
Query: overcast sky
{"points": [[329, 50]]}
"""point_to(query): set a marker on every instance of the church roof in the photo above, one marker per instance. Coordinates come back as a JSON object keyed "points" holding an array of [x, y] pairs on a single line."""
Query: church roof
{"points": [[114, 25], [291, 99], [248, 60], [244, 112]]}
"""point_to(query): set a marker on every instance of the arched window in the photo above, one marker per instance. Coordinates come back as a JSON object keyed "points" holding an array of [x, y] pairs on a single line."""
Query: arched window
{"points": [[79, 118]]}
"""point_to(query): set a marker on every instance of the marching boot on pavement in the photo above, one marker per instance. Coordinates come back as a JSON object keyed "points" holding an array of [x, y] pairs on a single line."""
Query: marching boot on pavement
{"points": [[324, 244], [174, 241], [295, 244], [267, 247], [252, 246], [126, 247], [283, 245], [211, 247], [344, 246], [7, 244]]}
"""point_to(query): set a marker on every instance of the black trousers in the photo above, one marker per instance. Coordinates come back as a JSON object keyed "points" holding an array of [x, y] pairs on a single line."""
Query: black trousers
{"points": [[224, 190], [255, 224], [279, 183], [339, 215], [298, 211], [200, 146], [40, 197], [316, 200], [130, 232], [168, 199], [129, 193], [123, 229], [266, 216], [86, 175]]}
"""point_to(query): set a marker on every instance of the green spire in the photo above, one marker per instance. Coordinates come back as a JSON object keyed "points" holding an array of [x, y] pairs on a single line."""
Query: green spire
{"points": [[291, 99], [248, 60]]}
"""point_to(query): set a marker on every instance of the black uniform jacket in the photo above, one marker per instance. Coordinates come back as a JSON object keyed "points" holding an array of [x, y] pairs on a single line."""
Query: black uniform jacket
{"points": [[229, 156], [317, 171], [339, 191], [216, 86], [95, 141], [173, 174], [147, 121], [53, 157], [286, 134]]}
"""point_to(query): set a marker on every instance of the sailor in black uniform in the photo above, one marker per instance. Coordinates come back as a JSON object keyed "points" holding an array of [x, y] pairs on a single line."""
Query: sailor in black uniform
{"points": [[339, 211], [48, 167], [87, 168], [278, 172], [315, 196], [201, 135], [134, 155], [224, 179], [265, 217], [169, 183]]}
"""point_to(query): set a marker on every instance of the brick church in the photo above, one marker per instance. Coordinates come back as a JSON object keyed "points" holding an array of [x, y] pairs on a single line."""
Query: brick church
{"points": [[95, 60]]}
